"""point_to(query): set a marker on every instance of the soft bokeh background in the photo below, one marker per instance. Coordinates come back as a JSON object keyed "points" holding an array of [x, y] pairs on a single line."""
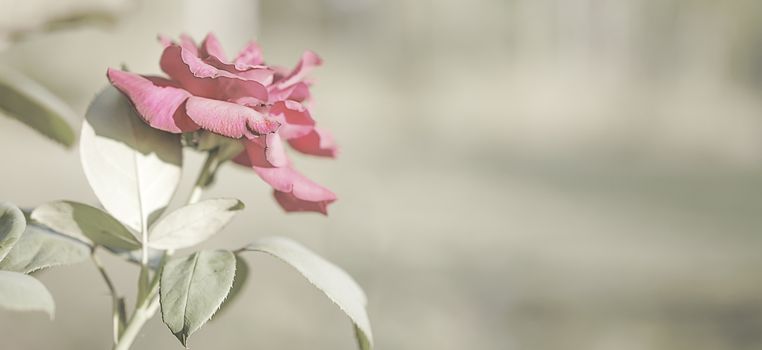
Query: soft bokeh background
{"points": [[516, 174]]}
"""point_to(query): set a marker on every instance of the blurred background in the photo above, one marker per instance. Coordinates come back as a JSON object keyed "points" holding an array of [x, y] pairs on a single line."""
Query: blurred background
{"points": [[515, 174]]}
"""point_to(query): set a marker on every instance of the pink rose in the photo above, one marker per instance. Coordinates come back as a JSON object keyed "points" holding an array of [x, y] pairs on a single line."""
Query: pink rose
{"points": [[243, 99]]}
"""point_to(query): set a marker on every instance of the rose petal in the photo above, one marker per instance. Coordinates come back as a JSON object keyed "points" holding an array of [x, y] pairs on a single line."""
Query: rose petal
{"points": [[295, 119], [232, 88], [291, 203], [299, 92], [247, 65], [293, 191], [280, 72], [309, 61], [211, 51], [274, 150], [250, 56], [189, 44], [186, 42], [164, 40], [229, 119], [172, 63], [262, 74], [203, 79], [212, 47], [271, 152], [156, 100], [318, 142], [242, 159]]}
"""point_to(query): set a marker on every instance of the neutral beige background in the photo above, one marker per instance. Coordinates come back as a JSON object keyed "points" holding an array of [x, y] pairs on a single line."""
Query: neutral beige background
{"points": [[525, 174]]}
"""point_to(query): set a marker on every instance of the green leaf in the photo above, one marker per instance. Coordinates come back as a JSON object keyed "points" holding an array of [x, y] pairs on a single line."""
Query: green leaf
{"points": [[32, 104], [41, 248], [241, 276], [12, 224], [329, 278], [192, 288], [193, 224], [132, 168], [21, 292], [77, 220]]}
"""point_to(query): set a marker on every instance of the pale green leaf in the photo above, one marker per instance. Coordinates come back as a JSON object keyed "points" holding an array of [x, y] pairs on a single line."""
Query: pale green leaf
{"points": [[41, 248], [132, 168], [241, 276], [329, 278], [32, 104], [363, 340], [192, 288], [22, 292], [193, 224], [12, 224], [78, 220]]}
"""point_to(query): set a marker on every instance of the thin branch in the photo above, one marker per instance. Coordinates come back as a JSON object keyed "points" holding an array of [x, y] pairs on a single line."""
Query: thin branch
{"points": [[204, 176], [104, 274], [118, 311]]}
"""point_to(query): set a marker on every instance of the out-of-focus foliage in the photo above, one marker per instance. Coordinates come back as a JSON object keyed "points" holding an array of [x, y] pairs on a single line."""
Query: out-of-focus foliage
{"points": [[21, 18], [21, 97], [22, 292], [30, 103]]}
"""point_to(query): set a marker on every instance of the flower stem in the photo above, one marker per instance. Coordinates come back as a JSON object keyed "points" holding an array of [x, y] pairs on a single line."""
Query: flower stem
{"points": [[118, 307], [149, 303], [142, 314], [104, 274], [204, 177]]}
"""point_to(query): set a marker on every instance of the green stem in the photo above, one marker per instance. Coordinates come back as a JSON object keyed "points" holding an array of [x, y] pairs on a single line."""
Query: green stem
{"points": [[104, 274], [204, 177], [142, 314], [149, 304], [119, 318]]}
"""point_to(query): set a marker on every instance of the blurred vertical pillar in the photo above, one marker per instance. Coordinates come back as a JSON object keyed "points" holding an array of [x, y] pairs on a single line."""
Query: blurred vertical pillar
{"points": [[233, 21], [573, 31], [534, 34]]}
